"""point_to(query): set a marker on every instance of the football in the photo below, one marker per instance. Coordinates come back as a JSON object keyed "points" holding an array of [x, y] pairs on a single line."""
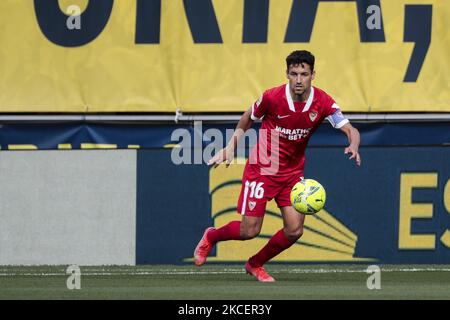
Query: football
{"points": [[308, 196]]}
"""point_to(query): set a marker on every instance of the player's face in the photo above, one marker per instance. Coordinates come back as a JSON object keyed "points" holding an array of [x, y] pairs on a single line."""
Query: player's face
{"points": [[300, 77]]}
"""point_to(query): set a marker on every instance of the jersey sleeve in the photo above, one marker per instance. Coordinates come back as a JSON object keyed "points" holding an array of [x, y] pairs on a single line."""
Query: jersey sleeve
{"points": [[259, 108], [334, 114]]}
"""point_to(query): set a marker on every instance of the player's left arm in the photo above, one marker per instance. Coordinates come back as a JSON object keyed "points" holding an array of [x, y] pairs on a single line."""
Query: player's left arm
{"points": [[354, 141], [339, 121]]}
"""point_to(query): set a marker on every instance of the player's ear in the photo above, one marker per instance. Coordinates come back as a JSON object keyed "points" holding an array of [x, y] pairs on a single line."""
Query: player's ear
{"points": [[313, 75], [287, 73]]}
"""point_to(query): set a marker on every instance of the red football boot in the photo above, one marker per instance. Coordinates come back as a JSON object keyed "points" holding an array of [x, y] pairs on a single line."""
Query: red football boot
{"points": [[259, 273], [203, 248]]}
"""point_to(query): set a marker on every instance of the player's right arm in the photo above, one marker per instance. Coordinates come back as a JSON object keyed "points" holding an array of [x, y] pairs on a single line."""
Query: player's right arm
{"points": [[227, 154]]}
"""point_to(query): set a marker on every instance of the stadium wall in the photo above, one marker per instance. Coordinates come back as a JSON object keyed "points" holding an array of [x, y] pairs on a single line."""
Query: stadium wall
{"points": [[95, 207], [67, 207]]}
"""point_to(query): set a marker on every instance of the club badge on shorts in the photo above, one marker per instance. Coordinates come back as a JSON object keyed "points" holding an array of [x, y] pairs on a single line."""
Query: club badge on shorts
{"points": [[312, 116], [251, 205]]}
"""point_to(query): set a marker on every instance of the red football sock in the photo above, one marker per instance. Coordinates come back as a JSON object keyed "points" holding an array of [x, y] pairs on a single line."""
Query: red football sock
{"points": [[278, 243], [230, 231]]}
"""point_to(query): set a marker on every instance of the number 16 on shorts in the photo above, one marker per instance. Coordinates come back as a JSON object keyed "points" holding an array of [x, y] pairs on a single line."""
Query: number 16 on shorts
{"points": [[253, 191], [256, 190]]}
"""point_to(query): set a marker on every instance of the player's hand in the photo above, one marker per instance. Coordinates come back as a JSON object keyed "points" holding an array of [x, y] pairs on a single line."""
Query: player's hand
{"points": [[354, 154], [225, 155]]}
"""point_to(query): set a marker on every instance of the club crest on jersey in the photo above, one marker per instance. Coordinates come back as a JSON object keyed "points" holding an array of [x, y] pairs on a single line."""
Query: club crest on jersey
{"points": [[312, 116], [251, 205]]}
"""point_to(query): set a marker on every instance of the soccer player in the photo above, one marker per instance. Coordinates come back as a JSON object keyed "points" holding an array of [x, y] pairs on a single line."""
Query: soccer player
{"points": [[290, 115]]}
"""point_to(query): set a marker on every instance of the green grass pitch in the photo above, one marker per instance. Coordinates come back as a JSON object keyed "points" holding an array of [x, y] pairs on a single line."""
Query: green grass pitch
{"points": [[223, 282]]}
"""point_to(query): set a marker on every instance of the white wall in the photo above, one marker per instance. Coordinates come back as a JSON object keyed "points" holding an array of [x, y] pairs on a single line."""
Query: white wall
{"points": [[68, 207]]}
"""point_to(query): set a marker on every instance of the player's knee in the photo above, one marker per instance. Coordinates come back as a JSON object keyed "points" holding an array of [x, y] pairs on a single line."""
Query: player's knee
{"points": [[249, 233], [294, 234]]}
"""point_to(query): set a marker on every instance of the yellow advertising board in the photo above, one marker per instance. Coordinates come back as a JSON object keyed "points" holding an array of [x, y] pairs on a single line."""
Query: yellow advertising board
{"points": [[220, 55]]}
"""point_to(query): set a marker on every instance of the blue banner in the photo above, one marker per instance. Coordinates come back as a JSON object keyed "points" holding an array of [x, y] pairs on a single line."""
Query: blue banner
{"points": [[395, 208], [144, 136]]}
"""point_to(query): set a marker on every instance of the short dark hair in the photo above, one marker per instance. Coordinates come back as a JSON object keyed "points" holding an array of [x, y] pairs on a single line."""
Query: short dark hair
{"points": [[299, 57]]}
